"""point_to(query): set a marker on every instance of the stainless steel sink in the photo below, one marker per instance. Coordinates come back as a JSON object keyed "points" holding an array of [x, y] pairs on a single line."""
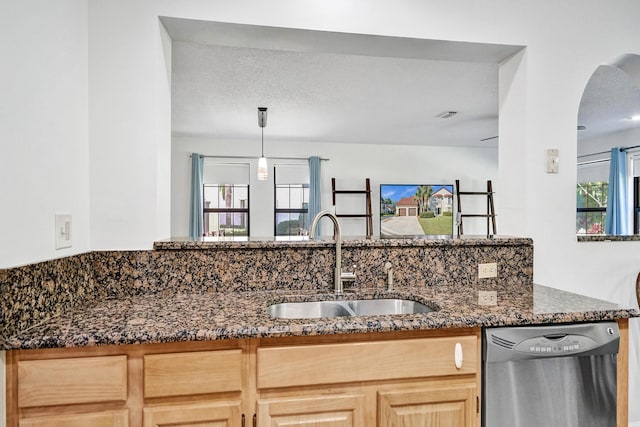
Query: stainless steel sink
{"points": [[373, 307], [309, 310], [361, 307]]}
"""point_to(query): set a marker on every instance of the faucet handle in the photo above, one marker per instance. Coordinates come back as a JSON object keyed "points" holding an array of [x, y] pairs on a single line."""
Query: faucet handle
{"points": [[347, 276], [389, 269]]}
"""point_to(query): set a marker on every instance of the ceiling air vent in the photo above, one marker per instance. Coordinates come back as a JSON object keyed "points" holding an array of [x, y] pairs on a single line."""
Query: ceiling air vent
{"points": [[501, 342], [447, 114]]}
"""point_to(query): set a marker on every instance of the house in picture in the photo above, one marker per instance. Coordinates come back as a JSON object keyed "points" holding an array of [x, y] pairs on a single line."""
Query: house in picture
{"points": [[407, 206], [441, 201]]}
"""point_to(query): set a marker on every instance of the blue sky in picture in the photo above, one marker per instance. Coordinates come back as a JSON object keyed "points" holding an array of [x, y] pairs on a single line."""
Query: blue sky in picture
{"points": [[396, 192]]}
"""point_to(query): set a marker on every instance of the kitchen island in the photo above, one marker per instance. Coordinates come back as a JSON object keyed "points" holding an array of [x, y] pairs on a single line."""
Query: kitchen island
{"points": [[180, 336]]}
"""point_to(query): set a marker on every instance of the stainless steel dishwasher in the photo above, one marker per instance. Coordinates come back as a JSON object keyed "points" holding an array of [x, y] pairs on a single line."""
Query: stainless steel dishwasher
{"points": [[551, 376]]}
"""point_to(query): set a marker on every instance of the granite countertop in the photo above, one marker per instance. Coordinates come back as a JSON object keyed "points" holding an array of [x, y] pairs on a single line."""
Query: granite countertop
{"points": [[196, 316], [354, 241]]}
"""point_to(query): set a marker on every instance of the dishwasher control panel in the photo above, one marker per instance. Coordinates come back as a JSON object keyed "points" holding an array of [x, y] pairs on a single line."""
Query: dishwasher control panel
{"points": [[533, 342], [567, 344]]}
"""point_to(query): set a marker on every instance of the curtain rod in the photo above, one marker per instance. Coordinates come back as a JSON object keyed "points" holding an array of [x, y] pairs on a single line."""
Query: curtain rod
{"points": [[591, 162], [609, 152], [254, 157]]}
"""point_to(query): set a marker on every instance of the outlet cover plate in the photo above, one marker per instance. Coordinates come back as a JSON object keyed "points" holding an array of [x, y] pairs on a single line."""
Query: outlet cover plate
{"points": [[487, 297], [488, 270]]}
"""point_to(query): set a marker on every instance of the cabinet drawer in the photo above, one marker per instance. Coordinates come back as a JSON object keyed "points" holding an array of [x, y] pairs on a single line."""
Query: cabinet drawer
{"points": [[201, 372], [368, 361], [94, 419], [69, 381], [206, 414]]}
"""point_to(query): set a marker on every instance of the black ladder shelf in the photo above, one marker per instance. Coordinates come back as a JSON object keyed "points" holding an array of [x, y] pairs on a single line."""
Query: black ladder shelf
{"points": [[490, 215], [367, 193]]}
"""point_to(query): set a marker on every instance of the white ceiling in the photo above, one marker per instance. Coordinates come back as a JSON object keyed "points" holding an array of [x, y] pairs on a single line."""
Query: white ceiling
{"points": [[331, 87], [610, 99]]}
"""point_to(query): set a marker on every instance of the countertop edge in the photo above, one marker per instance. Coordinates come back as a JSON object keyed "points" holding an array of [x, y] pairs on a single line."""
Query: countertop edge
{"points": [[221, 243]]}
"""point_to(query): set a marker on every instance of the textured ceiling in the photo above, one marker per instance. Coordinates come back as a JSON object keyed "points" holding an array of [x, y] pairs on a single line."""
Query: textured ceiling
{"points": [[610, 99], [331, 87]]}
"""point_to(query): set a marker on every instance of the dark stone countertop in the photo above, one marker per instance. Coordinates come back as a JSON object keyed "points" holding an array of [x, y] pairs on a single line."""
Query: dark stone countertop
{"points": [[240, 242], [199, 316]]}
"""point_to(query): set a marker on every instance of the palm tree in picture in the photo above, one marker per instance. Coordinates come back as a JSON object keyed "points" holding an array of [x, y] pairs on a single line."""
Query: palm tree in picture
{"points": [[423, 193]]}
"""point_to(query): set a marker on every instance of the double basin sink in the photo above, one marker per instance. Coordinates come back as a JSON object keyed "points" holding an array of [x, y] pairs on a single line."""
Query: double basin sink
{"points": [[350, 308]]}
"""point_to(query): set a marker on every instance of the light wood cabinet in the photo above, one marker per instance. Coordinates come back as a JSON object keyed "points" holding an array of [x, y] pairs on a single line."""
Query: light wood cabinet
{"points": [[99, 419], [452, 404], [313, 411], [74, 380], [404, 382], [378, 379], [200, 372], [207, 414]]}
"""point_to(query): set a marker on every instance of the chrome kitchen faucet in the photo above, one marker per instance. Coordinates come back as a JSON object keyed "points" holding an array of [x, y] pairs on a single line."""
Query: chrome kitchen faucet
{"points": [[339, 276]]}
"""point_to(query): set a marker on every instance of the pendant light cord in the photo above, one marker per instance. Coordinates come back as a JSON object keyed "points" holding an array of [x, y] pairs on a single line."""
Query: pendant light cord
{"points": [[262, 142]]}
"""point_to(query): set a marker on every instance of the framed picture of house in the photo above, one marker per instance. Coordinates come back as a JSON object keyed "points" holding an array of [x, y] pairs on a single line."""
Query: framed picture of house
{"points": [[416, 210]]}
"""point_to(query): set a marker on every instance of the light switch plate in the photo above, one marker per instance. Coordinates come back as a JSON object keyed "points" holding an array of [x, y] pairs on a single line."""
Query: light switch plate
{"points": [[552, 160], [63, 231], [488, 270]]}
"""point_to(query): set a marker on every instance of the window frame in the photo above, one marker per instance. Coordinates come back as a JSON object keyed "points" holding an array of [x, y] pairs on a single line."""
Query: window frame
{"points": [[602, 210], [245, 210], [277, 211]]}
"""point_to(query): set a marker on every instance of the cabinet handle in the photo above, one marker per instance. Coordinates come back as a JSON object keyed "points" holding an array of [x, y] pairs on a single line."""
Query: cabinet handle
{"points": [[458, 357], [242, 420], [255, 420]]}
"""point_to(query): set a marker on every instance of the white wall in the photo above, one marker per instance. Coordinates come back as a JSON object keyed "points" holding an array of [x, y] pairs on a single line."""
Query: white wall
{"points": [[350, 164], [43, 128], [129, 122]]}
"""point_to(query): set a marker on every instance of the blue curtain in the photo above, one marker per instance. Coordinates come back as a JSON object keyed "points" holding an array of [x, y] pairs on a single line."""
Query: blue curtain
{"points": [[314, 187], [195, 213], [617, 221]]}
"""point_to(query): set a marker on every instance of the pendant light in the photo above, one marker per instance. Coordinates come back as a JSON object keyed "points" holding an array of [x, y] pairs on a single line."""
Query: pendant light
{"points": [[263, 171]]}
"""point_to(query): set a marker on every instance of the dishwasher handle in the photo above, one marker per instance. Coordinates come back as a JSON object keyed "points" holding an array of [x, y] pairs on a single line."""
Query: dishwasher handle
{"points": [[555, 337]]}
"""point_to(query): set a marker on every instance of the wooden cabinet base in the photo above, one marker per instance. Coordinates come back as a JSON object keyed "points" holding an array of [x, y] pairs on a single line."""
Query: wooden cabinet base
{"points": [[408, 378]]}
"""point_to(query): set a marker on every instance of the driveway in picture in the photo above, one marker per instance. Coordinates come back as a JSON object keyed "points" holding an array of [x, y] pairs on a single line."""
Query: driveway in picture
{"points": [[401, 226]]}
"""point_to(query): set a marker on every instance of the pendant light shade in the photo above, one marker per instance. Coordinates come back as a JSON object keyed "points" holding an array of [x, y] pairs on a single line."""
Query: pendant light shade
{"points": [[263, 170]]}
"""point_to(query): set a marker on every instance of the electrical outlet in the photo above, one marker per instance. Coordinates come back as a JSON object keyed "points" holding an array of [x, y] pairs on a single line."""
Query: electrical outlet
{"points": [[488, 270], [487, 297]]}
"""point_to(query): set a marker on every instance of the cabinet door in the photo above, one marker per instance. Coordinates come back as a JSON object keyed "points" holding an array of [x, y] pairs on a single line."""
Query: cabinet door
{"points": [[209, 414], [313, 411], [438, 406], [95, 419]]}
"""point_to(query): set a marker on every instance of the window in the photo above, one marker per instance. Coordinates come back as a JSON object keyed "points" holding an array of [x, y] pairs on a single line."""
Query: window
{"points": [[592, 191], [226, 210], [591, 199], [225, 198], [291, 201]]}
